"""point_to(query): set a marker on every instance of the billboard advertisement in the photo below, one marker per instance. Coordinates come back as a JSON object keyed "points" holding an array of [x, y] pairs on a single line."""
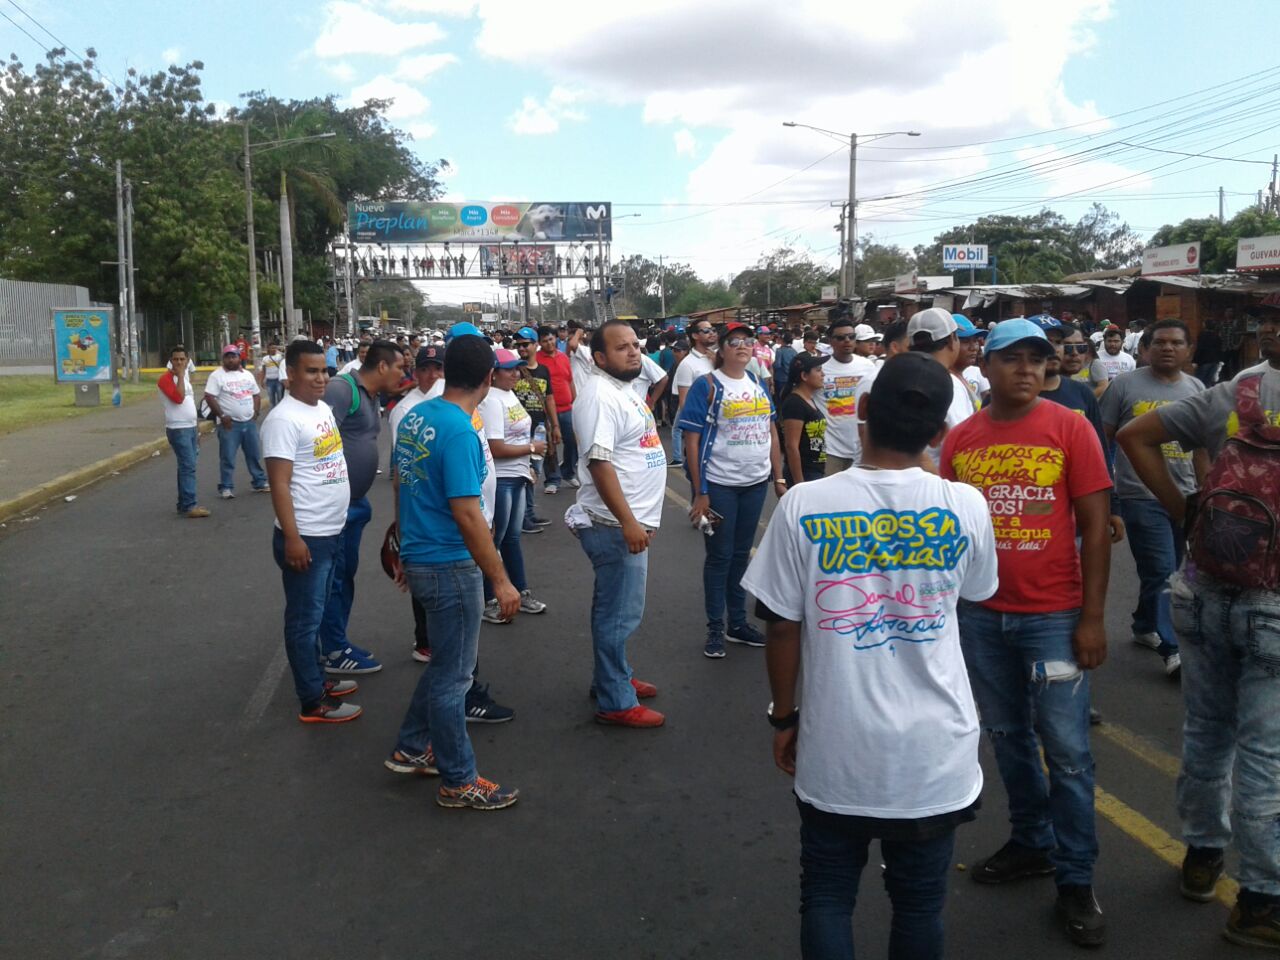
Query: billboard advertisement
{"points": [[428, 221], [1168, 261], [81, 346], [525, 260], [1258, 253], [955, 256]]}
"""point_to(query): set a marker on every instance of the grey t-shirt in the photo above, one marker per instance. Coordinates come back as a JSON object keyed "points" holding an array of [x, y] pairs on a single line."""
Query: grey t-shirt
{"points": [[1209, 418], [359, 432], [1130, 396]]}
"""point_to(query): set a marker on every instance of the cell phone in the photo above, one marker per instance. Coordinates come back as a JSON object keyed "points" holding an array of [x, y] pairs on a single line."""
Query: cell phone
{"points": [[708, 522]]}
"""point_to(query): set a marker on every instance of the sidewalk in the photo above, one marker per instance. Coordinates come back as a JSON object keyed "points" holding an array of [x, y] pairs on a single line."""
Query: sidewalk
{"points": [[46, 461]]}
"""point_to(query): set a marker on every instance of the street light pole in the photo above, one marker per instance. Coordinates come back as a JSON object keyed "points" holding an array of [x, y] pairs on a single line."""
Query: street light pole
{"points": [[255, 322], [851, 281], [122, 271], [133, 280]]}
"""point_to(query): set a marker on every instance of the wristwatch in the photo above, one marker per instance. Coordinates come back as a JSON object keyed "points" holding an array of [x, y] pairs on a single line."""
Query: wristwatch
{"points": [[782, 723]]}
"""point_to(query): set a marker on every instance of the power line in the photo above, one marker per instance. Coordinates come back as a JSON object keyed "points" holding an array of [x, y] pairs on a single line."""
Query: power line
{"points": [[24, 30], [1265, 163], [61, 43]]}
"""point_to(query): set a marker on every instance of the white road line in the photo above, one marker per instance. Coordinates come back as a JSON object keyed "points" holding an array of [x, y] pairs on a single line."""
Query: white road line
{"points": [[265, 690]]}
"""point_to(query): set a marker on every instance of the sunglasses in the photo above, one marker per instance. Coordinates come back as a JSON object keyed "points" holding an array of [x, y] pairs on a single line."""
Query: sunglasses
{"points": [[739, 342], [842, 336], [1075, 348], [703, 330]]}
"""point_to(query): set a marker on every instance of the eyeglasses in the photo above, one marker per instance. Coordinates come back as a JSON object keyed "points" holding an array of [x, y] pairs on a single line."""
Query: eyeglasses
{"points": [[703, 330], [843, 336], [1075, 348], [739, 342]]}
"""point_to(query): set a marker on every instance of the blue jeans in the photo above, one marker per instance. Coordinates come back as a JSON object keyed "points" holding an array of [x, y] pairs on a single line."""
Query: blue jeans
{"points": [[275, 391], [617, 607], [677, 441], [832, 856], [508, 521], [569, 460], [453, 597], [337, 611], [241, 435], [304, 599], [729, 551], [185, 442], [1027, 685], [1157, 545], [1231, 689]]}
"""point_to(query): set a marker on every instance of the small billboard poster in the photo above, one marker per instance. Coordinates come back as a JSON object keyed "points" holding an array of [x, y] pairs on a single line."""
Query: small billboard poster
{"points": [[81, 345]]}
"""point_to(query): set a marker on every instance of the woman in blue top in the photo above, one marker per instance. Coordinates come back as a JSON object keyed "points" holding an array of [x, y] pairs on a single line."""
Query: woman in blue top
{"points": [[732, 451]]}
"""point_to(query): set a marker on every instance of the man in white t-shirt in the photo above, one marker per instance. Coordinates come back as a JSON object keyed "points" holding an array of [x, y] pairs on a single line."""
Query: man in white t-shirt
{"points": [[840, 376], [181, 428], [352, 366], [236, 400], [310, 494], [271, 372], [617, 513], [1112, 361], [652, 382], [934, 332], [859, 576], [699, 362]]}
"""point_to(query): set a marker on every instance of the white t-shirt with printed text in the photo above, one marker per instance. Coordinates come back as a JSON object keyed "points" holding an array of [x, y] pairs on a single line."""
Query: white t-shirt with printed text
{"points": [[308, 437], [506, 419], [608, 414], [234, 391], [740, 450], [839, 386]]}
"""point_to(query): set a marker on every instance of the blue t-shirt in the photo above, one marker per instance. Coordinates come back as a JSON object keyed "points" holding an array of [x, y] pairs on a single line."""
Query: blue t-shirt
{"points": [[438, 459], [331, 356]]}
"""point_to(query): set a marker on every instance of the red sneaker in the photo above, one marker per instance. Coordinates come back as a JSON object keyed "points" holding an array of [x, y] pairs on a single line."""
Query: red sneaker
{"points": [[340, 688], [644, 690], [637, 716]]}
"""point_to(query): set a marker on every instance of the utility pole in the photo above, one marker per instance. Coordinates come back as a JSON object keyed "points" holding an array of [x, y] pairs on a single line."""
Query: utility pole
{"points": [[662, 285], [255, 323], [844, 246], [133, 280], [1274, 203], [852, 282], [971, 265], [286, 255], [351, 311], [122, 269]]}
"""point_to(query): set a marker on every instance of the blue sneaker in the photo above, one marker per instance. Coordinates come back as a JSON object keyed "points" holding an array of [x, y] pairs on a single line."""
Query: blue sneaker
{"points": [[714, 647], [481, 708], [745, 634], [349, 662]]}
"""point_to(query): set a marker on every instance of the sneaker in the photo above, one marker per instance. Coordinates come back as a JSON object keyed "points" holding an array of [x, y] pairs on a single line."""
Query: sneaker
{"points": [[1095, 717], [1079, 911], [745, 634], [531, 604], [481, 795], [266, 488], [423, 764], [195, 513], [1013, 861], [675, 464], [1254, 922], [351, 662], [1149, 640], [340, 688], [330, 710], [573, 483], [551, 488], [637, 716], [529, 529], [226, 494], [644, 691], [1201, 869], [541, 522], [481, 708], [492, 613], [422, 654], [1173, 665], [714, 647]]}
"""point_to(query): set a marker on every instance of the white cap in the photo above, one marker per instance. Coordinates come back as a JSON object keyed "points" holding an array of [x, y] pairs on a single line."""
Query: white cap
{"points": [[864, 331], [935, 322]]}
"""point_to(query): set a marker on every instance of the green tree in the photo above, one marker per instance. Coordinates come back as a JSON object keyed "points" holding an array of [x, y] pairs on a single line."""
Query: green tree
{"points": [[780, 278], [880, 262], [701, 295], [1218, 240]]}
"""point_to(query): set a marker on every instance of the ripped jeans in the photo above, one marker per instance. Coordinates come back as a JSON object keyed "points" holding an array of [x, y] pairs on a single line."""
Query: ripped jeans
{"points": [[1030, 693]]}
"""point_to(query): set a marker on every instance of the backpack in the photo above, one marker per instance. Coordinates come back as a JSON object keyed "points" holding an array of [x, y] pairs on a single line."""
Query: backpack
{"points": [[355, 392], [1235, 535]]}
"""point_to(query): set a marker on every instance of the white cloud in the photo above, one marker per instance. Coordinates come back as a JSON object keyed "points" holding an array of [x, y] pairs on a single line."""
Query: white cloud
{"points": [[408, 102], [423, 65], [686, 143], [340, 70], [351, 28], [536, 118], [443, 8], [421, 130], [171, 54]]}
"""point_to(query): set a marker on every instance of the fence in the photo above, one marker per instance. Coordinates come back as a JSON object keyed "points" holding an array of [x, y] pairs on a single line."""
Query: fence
{"points": [[26, 337]]}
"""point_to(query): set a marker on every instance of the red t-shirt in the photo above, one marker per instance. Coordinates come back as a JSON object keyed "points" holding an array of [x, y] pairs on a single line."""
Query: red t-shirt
{"points": [[561, 379], [1030, 470]]}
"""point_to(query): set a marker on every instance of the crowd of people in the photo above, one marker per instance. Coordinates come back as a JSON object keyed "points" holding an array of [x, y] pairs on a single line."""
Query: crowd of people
{"points": [[948, 497]]}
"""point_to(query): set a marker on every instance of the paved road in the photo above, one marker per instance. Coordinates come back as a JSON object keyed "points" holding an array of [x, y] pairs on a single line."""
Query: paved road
{"points": [[161, 801]]}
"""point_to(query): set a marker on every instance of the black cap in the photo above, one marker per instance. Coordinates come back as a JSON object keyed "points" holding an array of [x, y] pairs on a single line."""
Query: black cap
{"points": [[913, 385], [427, 356], [681, 345], [804, 362]]}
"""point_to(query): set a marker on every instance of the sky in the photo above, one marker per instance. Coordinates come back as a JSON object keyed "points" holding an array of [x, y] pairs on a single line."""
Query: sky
{"points": [[674, 111]]}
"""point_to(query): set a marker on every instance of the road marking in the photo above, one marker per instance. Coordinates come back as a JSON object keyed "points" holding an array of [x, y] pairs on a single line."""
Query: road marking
{"points": [[264, 691], [1141, 747]]}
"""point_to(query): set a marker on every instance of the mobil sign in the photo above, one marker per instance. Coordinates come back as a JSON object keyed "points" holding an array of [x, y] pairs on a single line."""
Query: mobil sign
{"points": [[1168, 261], [1258, 253], [955, 256]]}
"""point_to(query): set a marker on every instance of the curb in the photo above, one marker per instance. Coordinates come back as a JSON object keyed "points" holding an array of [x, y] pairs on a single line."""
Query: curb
{"points": [[60, 486]]}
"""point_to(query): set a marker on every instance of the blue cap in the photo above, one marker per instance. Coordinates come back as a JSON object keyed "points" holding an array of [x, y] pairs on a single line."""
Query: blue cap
{"points": [[462, 330], [965, 329], [527, 333], [1009, 332], [1046, 322]]}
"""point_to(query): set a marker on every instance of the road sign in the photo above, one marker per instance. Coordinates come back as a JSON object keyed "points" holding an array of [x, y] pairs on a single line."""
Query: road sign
{"points": [[955, 256]]}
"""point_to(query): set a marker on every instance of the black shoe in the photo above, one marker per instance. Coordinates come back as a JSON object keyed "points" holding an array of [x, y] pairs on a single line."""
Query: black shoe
{"points": [[1095, 717], [1013, 861], [1201, 868], [1079, 911], [1254, 921], [481, 707]]}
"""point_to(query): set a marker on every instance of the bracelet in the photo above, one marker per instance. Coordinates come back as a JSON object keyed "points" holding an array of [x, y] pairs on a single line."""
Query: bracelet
{"points": [[780, 480]]}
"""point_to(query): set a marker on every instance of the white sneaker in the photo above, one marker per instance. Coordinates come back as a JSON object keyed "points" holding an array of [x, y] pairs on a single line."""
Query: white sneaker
{"points": [[531, 604], [226, 494], [573, 483], [1149, 640], [492, 614], [1173, 664]]}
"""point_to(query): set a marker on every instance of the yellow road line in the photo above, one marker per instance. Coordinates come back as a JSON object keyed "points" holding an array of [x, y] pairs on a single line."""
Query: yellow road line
{"points": [[1141, 747]]}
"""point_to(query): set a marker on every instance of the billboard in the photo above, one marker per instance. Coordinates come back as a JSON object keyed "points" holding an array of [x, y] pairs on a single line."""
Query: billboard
{"points": [[907, 282], [955, 256], [427, 221], [523, 260], [81, 346], [1167, 261], [1258, 253]]}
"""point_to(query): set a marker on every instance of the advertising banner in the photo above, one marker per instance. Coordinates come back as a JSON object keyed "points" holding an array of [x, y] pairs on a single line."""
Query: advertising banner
{"points": [[1258, 253], [415, 221], [472, 307], [907, 282], [1168, 261], [81, 345], [524, 260], [955, 256]]}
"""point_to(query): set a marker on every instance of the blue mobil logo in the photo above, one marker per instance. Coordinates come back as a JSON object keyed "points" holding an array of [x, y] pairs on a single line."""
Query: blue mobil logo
{"points": [[961, 255], [473, 216]]}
